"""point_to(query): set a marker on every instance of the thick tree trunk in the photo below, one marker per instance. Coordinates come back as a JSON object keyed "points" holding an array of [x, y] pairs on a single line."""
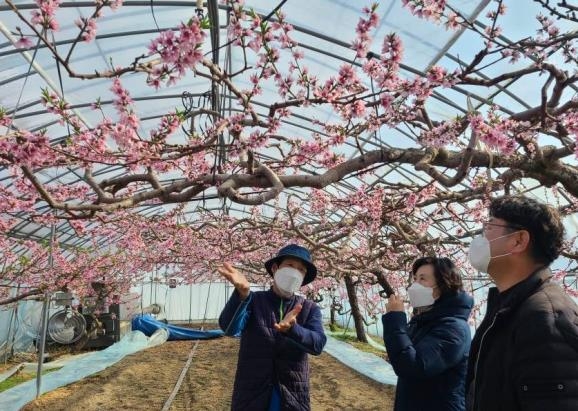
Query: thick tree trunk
{"points": [[355, 312], [381, 280], [332, 316]]}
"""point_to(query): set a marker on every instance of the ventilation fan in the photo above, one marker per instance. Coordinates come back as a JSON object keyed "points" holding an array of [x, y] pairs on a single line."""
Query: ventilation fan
{"points": [[66, 326]]}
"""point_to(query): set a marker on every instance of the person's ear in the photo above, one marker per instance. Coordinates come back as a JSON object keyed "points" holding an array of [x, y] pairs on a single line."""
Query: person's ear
{"points": [[274, 267], [522, 243]]}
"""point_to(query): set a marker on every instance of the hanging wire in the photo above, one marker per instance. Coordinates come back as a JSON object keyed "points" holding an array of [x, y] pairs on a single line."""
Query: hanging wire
{"points": [[154, 16], [26, 78], [206, 305]]}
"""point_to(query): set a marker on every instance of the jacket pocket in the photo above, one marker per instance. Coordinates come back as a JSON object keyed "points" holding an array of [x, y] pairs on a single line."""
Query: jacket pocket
{"points": [[551, 394]]}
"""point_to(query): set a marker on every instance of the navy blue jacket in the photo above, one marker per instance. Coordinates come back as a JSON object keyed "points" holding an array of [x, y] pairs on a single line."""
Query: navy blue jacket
{"points": [[268, 357], [430, 354]]}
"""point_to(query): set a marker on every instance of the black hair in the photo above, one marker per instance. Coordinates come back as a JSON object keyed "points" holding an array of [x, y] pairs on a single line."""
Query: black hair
{"points": [[540, 220], [447, 275]]}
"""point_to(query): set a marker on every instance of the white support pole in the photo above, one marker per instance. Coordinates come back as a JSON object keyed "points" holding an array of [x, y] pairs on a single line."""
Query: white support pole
{"points": [[45, 307]]}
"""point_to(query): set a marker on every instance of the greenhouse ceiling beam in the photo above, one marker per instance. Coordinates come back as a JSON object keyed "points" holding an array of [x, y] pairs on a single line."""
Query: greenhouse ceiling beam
{"points": [[167, 3], [510, 42], [436, 95], [103, 102], [445, 52], [126, 3], [38, 68], [98, 37], [296, 27], [457, 34]]}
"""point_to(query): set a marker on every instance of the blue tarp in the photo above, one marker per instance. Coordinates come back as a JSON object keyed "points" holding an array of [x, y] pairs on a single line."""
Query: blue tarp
{"points": [[148, 325]]}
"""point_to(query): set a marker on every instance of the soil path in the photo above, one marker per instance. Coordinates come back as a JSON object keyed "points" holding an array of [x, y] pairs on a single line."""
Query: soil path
{"points": [[144, 381]]}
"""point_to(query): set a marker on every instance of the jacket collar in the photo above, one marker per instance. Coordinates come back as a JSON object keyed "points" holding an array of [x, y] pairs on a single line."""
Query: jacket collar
{"points": [[449, 305], [514, 296], [276, 298]]}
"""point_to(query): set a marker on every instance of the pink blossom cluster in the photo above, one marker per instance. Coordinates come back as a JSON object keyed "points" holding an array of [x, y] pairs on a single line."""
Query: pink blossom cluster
{"points": [[355, 109], [368, 206], [392, 51], [453, 21], [363, 40], [329, 91], [14, 201], [122, 98], [439, 76], [56, 105], [88, 27], [570, 122], [283, 30], [426, 9], [319, 202], [512, 55], [45, 15], [492, 32], [495, 134], [28, 149], [113, 4], [170, 123], [5, 120], [179, 52], [236, 32], [124, 132], [23, 42], [78, 190], [311, 152], [549, 29], [445, 134]]}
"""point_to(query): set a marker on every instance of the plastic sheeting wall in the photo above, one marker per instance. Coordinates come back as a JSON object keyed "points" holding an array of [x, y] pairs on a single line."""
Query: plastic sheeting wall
{"points": [[19, 325], [193, 302]]}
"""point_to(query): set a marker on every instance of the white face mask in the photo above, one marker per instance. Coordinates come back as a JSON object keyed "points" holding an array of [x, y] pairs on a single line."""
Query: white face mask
{"points": [[420, 296], [288, 280], [480, 254]]}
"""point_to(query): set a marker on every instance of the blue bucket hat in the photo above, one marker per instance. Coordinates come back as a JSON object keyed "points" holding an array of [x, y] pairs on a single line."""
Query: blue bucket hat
{"points": [[295, 251]]}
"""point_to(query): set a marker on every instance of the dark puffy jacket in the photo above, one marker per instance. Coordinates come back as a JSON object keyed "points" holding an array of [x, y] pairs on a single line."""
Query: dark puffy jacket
{"points": [[525, 353], [430, 354], [268, 357]]}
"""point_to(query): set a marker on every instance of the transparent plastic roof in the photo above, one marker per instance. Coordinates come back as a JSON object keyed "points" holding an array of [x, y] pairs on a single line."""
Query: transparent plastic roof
{"points": [[324, 29]]}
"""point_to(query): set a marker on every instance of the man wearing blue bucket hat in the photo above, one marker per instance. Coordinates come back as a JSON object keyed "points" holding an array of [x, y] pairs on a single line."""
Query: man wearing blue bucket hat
{"points": [[278, 329]]}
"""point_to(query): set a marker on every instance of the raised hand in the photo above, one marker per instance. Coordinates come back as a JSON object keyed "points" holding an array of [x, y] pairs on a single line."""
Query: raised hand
{"points": [[238, 280], [394, 303], [290, 318]]}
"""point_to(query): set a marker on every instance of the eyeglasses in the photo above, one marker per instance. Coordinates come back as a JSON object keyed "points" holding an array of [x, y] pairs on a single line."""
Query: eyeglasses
{"points": [[487, 224]]}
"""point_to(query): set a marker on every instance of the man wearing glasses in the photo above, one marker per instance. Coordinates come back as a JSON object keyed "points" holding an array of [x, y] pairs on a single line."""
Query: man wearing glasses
{"points": [[524, 355]]}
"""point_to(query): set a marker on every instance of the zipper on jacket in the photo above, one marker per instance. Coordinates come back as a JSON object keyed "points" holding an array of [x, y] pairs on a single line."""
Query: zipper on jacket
{"points": [[474, 407]]}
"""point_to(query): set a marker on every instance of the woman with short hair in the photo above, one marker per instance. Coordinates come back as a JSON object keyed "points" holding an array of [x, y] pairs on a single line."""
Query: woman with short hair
{"points": [[430, 353]]}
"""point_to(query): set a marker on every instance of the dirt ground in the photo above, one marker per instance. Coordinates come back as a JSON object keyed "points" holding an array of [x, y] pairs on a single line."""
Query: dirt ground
{"points": [[145, 380]]}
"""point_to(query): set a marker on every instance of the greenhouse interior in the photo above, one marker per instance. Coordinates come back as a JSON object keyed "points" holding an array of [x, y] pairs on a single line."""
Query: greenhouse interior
{"points": [[289, 205]]}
